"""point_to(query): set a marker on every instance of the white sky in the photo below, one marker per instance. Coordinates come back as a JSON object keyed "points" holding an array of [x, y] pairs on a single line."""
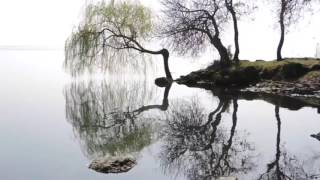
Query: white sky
{"points": [[37, 22], [49, 22]]}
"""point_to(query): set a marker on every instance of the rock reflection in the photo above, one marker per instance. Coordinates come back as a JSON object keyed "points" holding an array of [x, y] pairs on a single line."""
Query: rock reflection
{"points": [[196, 145], [108, 117]]}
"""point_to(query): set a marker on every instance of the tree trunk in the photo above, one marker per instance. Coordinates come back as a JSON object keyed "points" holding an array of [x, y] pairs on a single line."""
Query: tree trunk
{"points": [[224, 58], [282, 28], [229, 5], [165, 54], [215, 40], [236, 35]]}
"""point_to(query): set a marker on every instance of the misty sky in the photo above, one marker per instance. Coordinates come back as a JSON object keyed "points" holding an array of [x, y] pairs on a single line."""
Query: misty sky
{"points": [[37, 22], [49, 22]]}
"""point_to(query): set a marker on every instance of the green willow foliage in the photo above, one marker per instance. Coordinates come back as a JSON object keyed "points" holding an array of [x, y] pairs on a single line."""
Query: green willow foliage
{"points": [[99, 38]]}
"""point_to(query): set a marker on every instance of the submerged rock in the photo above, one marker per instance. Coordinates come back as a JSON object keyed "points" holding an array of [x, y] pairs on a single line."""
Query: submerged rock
{"points": [[113, 164], [317, 136]]}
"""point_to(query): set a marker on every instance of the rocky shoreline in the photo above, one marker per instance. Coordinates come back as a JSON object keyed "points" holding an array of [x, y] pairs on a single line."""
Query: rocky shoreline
{"points": [[286, 79], [286, 89]]}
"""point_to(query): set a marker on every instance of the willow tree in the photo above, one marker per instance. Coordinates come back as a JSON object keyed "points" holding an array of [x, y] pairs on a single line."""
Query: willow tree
{"points": [[191, 25], [111, 35]]}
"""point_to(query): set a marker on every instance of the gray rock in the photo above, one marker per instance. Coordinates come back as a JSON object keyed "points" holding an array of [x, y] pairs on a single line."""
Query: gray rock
{"points": [[113, 164]]}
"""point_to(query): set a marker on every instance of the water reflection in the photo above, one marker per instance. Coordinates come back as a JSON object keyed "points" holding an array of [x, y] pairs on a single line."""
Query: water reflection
{"points": [[116, 118], [285, 166], [107, 117], [196, 145], [291, 103]]}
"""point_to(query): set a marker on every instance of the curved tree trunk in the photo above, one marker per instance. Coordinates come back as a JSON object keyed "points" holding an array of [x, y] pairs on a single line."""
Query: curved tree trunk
{"points": [[224, 58], [282, 29], [165, 54], [215, 40], [163, 107]]}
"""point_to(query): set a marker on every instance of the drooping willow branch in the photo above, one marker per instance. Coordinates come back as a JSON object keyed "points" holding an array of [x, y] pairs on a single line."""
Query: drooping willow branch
{"points": [[110, 37]]}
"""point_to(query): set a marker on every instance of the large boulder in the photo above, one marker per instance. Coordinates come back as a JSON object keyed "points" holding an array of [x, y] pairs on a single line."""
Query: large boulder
{"points": [[113, 164]]}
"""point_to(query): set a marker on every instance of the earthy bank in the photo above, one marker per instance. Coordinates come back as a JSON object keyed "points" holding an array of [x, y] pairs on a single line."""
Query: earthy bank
{"points": [[290, 77]]}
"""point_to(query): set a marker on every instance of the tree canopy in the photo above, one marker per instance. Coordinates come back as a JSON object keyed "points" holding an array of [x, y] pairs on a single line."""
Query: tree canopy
{"points": [[106, 29], [191, 25]]}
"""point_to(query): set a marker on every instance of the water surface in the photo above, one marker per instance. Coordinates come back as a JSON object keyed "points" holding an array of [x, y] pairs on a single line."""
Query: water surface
{"points": [[53, 126]]}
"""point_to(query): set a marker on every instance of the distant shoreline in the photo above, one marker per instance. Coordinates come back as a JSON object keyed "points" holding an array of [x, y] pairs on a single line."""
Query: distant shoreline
{"points": [[29, 48]]}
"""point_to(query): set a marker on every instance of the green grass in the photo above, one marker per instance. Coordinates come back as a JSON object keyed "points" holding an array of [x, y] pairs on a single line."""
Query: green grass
{"points": [[250, 72], [272, 65], [311, 75]]}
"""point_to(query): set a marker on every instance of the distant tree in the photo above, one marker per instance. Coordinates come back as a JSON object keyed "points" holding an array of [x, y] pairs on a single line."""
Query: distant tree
{"points": [[107, 29], [230, 6], [237, 9], [191, 24], [288, 12]]}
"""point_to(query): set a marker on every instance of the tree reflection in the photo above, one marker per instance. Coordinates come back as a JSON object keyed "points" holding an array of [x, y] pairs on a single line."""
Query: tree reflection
{"points": [[285, 166], [197, 145], [108, 118]]}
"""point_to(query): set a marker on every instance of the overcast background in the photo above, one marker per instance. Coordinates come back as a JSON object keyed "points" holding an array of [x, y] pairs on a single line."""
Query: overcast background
{"points": [[47, 23]]}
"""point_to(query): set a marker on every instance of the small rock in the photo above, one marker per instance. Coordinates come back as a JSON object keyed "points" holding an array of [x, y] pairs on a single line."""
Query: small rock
{"points": [[113, 164]]}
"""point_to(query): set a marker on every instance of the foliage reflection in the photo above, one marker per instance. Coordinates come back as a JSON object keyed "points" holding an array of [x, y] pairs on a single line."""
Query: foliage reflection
{"points": [[108, 117]]}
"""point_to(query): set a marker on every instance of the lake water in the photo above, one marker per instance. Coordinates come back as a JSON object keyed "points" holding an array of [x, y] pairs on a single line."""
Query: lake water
{"points": [[52, 126]]}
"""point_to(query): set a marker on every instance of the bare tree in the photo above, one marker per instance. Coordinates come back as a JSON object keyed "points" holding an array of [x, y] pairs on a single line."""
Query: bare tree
{"points": [[288, 12], [237, 9], [107, 29], [191, 25]]}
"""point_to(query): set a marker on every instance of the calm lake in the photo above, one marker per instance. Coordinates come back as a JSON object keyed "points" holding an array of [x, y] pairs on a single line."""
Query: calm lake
{"points": [[52, 126]]}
